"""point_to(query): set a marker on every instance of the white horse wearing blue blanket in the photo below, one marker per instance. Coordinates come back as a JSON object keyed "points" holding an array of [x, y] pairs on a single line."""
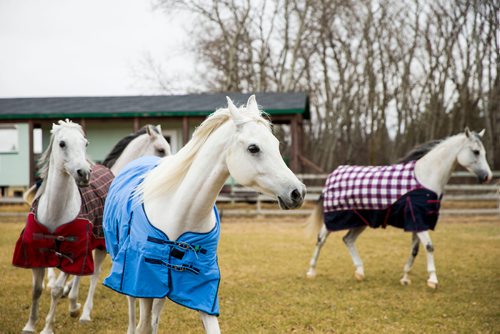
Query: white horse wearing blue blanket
{"points": [[161, 226], [405, 195]]}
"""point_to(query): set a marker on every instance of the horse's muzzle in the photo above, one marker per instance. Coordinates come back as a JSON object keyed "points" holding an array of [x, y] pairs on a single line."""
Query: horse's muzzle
{"points": [[484, 177], [294, 200]]}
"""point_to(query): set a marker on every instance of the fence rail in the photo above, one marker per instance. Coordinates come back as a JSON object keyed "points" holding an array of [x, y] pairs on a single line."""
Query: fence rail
{"points": [[469, 193]]}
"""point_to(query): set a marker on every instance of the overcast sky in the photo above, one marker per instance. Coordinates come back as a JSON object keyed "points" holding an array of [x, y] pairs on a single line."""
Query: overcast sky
{"points": [[85, 47]]}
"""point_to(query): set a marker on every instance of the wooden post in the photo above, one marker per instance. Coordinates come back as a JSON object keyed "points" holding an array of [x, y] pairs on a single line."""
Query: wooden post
{"points": [[185, 130], [294, 129], [136, 124], [31, 154]]}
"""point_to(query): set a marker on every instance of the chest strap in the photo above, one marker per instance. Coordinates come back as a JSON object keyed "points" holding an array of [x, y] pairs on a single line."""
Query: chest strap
{"points": [[182, 245]]}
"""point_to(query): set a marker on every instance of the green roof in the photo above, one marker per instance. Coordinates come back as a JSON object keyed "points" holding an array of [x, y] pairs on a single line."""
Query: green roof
{"points": [[146, 106]]}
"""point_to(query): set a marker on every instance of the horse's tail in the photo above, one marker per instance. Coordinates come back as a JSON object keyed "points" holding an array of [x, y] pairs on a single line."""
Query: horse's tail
{"points": [[315, 220], [29, 195]]}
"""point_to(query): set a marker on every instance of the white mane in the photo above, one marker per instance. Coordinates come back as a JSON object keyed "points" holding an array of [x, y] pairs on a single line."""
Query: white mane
{"points": [[172, 170]]}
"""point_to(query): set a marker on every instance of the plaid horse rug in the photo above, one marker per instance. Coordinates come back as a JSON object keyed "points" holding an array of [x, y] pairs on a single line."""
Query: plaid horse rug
{"points": [[146, 263], [378, 196], [70, 246]]}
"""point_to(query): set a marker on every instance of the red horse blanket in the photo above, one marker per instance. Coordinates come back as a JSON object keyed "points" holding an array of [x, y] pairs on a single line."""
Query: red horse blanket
{"points": [[70, 246]]}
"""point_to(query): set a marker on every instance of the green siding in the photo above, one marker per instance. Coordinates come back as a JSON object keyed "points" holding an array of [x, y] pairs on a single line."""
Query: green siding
{"points": [[14, 167]]}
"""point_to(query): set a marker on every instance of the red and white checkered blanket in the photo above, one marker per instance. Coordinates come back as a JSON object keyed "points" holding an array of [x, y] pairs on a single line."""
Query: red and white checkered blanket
{"points": [[368, 187]]}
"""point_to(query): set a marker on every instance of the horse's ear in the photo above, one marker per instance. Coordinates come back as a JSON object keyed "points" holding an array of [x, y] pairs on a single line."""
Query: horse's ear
{"points": [[235, 113], [150, 130], [481, 133], [467, 132], [158, 128], [252, 104]]}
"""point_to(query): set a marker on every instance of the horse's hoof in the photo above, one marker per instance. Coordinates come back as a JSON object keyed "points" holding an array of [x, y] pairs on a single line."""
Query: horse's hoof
{"points": [[405, 281], [85, 320], [76, 312], [311, 274], [28, 331], [432, 285], [359, 276], [47, 331]]}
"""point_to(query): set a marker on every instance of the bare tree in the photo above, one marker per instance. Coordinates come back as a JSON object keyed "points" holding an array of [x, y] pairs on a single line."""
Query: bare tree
{"points": [[382, 75]]}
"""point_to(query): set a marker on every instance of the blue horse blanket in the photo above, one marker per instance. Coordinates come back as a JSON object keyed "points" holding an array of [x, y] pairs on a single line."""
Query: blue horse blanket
{"points": [[146, 263]]}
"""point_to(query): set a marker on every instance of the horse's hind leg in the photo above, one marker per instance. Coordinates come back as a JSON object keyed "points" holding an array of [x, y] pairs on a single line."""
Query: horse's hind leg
{"points": [[409, 264], [349, 240], [322, 235], [145, 322], [425, 238], [131, 315], [74, 288], [99, 256], [55, 293], [38, 275], [157, 307], [210, 323]]}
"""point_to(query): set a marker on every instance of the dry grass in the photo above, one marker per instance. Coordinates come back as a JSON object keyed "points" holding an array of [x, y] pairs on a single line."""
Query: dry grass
{"points": [[263, 289]]}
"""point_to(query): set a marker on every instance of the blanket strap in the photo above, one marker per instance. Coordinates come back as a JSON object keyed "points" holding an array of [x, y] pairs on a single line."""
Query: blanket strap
{"points": [[176, 267], [39, 236], [180, 244]]}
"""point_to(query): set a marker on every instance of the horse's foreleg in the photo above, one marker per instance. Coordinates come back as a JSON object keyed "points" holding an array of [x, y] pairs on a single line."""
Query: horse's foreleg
{"points": [[38, 275], [425, 238], [409, 264], [74, 288], [51, 278], [210, 323], [55, 293], [157, 307], [322, 235], [349, 240], [99, 256], [131, 315], [145, 322]]}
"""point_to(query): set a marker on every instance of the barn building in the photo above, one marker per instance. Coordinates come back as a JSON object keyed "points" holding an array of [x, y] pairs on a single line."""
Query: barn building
{"points": [[25, 123]]}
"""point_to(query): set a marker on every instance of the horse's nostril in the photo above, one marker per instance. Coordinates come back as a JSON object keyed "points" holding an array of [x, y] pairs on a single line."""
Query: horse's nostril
{"points": [[79, 172], [296, 196]]}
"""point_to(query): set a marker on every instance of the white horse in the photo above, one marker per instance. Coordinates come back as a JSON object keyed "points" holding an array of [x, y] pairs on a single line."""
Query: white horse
{"points": [[434, 165], [64, 167], [178, 198], [148, 141]]}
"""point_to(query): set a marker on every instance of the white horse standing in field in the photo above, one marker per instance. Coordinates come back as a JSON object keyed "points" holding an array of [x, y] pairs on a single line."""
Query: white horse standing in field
{"points": [[160, 216], [415, 211], [64, 167], [148, 141]]}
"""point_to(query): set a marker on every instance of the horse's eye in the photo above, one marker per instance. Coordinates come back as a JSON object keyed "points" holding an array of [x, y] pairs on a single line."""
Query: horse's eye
{"points": [[253, 149], [476, 152], [161, 151], [62, 144], [86, 144]]}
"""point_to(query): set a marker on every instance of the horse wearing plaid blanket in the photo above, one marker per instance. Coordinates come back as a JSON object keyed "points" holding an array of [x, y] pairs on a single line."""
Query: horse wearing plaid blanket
{"points": [[405, 195], [53, 237]]}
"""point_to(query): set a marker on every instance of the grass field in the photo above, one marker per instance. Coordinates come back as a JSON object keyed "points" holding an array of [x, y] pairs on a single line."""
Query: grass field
{"points": [[264, 290]]}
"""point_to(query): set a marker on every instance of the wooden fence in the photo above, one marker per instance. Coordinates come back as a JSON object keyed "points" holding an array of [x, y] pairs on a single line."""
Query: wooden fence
{"points": [[460, 190]]}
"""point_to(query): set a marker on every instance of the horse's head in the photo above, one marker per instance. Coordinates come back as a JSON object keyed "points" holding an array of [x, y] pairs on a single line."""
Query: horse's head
{"points": [[68, 151], [153, 142], [472, 156], [254, 160]]}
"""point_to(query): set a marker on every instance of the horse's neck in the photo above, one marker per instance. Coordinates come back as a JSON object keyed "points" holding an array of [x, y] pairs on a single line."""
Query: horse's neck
{"points": [[131, 152], [434, 169], [189, 207], [60, 201]]}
